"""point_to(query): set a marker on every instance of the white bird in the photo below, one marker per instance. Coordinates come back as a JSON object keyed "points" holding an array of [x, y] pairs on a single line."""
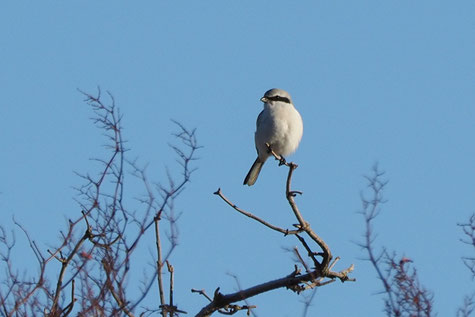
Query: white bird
{"points": [[279, 125]]}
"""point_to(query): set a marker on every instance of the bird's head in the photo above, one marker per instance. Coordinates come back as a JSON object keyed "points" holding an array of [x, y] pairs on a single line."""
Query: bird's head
{"points": [[276, 94]]}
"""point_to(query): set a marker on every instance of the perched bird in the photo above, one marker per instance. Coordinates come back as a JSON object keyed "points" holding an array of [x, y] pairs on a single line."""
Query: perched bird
{"points": [[279, 125]]}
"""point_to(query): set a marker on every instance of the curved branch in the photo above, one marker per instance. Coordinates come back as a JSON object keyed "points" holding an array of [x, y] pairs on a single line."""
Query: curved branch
{"points": [[250, 215], [304, 225]]}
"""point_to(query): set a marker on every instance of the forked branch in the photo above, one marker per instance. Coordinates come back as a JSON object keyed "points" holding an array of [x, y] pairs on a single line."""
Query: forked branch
{"points": [[321, 274]]}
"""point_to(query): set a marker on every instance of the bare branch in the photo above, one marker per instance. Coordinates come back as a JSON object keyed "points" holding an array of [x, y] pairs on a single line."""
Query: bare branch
{"points": [[95, 264], [468, 306], [469, 239], [250, 215], [291, 282], [295, 281], [405, 296]]}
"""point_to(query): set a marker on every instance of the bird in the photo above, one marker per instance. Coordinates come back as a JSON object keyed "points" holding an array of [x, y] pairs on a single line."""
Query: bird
{"points": [[279, 127]]}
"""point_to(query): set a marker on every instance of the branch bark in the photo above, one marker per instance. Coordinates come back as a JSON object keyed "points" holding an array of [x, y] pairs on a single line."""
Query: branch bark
{"points": [[295, 281]]}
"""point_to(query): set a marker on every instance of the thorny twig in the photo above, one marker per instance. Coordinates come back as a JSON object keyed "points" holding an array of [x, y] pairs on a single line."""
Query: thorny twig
{"points": [[96, 264], [469, 239], [405, 296], [468, 306]]}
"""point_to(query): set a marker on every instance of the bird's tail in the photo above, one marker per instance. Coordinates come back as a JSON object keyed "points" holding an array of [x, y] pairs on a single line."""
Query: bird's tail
{"points": [[251, 177]]}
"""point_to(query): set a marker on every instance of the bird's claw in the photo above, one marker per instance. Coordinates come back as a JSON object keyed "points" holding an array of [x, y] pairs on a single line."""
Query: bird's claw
{"points": [[282, 161], [295, 193]]}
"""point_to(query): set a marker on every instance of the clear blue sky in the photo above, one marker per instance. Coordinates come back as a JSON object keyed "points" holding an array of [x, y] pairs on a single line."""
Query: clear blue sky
{"points": [[386, 81]]}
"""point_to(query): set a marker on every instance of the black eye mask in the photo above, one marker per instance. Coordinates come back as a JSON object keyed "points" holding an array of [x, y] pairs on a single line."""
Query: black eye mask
{"points": [[279, 98]]}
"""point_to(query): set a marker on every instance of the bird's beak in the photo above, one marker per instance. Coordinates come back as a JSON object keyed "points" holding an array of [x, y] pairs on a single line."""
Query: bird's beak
{"points": [[264, 99]]}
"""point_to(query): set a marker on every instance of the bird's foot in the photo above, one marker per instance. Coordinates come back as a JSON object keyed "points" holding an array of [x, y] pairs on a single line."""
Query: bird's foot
{"points": [[282, 161], [278, 157], [294, 193]]}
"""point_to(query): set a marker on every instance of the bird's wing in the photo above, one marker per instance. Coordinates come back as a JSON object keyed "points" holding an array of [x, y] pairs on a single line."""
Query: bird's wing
{"points": [[260, 118], [260, 121]]}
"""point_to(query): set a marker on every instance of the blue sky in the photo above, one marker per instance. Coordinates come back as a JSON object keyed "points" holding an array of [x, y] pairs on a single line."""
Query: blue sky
{"points": [[385, 81]]}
